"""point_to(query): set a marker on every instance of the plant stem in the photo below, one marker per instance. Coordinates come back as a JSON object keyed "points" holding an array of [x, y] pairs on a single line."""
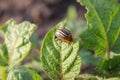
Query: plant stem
{"points": [[4, 73], [61, 76], [107, 50], [108, 54]]}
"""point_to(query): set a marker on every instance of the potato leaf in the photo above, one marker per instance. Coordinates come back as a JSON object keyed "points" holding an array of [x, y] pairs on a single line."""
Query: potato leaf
{"points": [[59, 59], [110, 67], [17, 40], [23, 73], [115, 78], [103, 33]]}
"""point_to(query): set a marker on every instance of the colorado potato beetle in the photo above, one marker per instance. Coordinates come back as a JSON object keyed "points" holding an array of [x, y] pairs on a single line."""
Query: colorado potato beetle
{"points": [[63, 35]]}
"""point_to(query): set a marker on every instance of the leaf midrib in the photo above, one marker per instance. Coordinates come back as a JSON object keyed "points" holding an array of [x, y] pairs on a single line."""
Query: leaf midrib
{"points": [[61, 72], [103, 30], [13, 48]]}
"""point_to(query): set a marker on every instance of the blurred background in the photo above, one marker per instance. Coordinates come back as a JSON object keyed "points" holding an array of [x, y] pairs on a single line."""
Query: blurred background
{"points": [[45, 14]]}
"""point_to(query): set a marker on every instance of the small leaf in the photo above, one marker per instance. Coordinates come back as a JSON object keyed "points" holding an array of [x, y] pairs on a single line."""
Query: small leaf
{"points": [[88, 77], [88, 58], [17, 40], [71, 13], [3, 55], [111, 66], [35, 41], [115, 78], [59, 59], [23, 73], [103, 32], [77, 26], [92, 77]]}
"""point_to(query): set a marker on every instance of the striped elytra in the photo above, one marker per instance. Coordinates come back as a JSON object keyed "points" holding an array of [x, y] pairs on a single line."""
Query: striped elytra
{"points": [[64, 35]]}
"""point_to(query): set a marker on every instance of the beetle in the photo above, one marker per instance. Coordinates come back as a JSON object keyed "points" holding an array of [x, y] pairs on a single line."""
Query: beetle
{"points": [[63, 35]]}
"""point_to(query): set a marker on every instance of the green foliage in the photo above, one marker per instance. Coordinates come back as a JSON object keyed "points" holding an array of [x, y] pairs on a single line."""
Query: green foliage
{"points": [[92, 77], [102, 35], [88, 77], [110, 67], [88, 58], [59, 59], [23, 73], [3, 55], [15, 47], [35, 41], [115, 78], [17, 44], [71, 13], [76, 25], [17, 40]]}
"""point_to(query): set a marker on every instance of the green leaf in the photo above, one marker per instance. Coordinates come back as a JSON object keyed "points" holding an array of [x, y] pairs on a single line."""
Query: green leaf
{"points": [[88, 58], [115, 78], [35, 41], [23, 73], [17, 40], [88, 77], [110, 67], [103, 31], [59, 59], [76, 25], [93, 77], [3, 55], [71, 13]]}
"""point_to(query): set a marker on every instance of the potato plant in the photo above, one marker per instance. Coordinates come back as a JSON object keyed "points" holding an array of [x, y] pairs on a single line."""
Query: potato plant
{"points": [[60, 60]]}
